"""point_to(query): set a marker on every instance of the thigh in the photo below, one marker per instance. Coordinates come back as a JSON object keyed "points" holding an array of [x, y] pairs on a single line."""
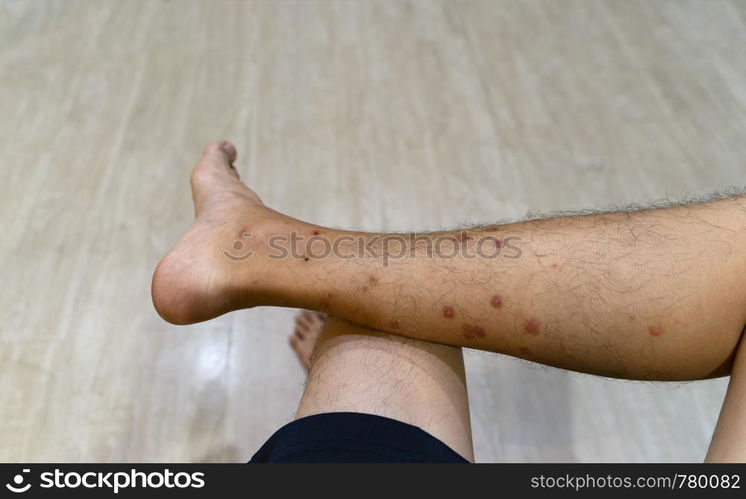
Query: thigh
{"points": [[356, 369]]}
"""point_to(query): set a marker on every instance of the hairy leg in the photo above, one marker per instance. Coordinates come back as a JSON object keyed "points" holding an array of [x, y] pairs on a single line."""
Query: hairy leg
{"points": [[355, 369], [729, 440], [653, 294]]}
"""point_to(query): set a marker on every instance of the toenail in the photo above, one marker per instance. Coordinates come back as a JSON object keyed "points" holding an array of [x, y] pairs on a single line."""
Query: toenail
{"points": [[228, 149]]}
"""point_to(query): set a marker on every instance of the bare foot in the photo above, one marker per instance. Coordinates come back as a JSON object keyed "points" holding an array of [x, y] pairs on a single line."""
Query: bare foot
{"points": [[308, 326], [195, 281]]}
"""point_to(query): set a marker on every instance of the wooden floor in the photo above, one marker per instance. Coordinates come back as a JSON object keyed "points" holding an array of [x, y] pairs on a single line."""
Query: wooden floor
{"points": [[375, 115]]}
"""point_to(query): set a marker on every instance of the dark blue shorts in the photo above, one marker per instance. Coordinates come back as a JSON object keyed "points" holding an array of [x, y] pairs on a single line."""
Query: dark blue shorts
{"points": [[349, 437]]}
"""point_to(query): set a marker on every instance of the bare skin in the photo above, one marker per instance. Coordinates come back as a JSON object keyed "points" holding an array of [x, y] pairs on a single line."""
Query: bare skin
{"points": [[354, 369], [651, 294], [729, 440]]}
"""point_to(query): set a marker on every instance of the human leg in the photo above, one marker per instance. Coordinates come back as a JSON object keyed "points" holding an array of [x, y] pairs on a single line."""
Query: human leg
{"points": [[359, 377], [729, 440], [652, 294]]}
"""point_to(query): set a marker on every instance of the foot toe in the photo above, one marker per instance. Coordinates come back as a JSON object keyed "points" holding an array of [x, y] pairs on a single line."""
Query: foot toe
{"points": [[229, 150], [220, 150], [218, 157], [302, 321], [310, 317]]}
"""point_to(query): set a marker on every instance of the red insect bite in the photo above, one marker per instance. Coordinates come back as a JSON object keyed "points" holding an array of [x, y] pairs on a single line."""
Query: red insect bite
{"points": [[471, 331], [655, 330], [448, 312], [532, 326], [496, 301]]}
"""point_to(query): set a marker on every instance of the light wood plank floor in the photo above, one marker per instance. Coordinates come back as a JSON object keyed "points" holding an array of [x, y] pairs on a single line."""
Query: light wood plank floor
{"points": [[368, 114]]}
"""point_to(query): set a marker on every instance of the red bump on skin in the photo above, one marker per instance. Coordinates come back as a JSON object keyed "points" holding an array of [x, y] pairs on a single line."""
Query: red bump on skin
{"points": [[305, 259], [471, 331], [524, 351], [532, 326], [372, 279], [655, 330], [632, 317], [448, 312], [554, 266], [315, 233], [496, 301], [498, 243], [394, 325]]}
